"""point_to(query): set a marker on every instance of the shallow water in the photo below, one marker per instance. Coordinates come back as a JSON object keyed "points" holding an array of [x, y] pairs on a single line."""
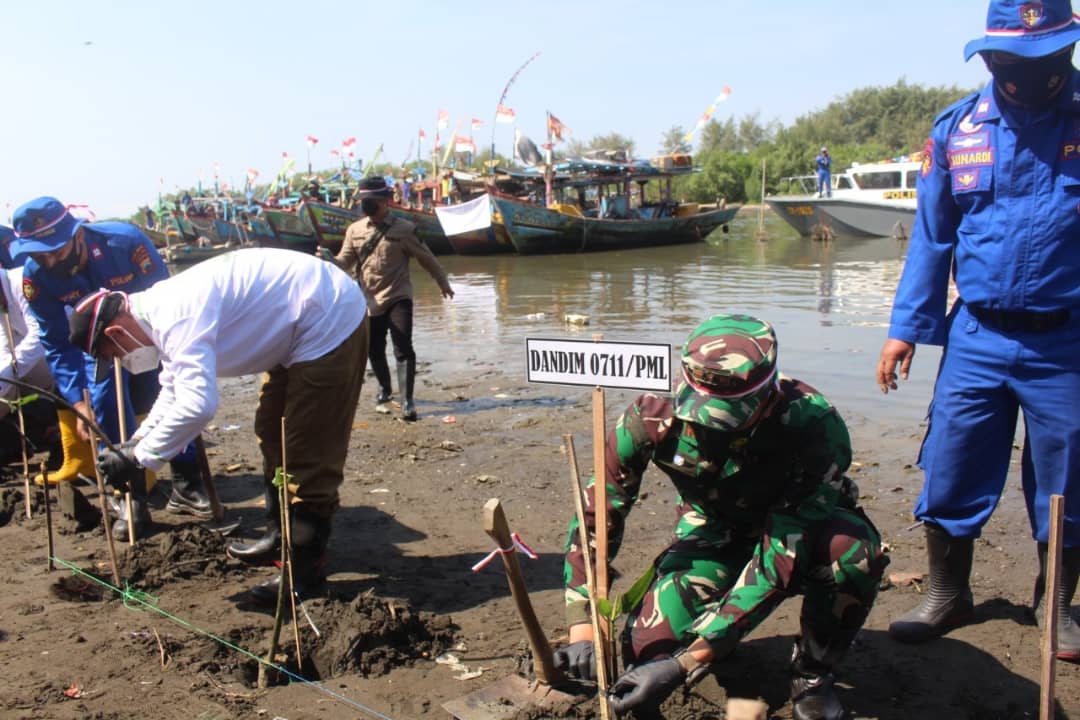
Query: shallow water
{"points": [[829, 302]]}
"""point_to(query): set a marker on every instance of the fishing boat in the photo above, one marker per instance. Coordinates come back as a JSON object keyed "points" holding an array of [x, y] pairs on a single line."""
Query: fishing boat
{"points": [[428, 229], [328, 222], [292, 230], [868, 200], [596, 206]]}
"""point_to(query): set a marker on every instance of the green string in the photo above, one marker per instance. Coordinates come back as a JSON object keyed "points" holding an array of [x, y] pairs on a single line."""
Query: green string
{"points": [[135, 599]]}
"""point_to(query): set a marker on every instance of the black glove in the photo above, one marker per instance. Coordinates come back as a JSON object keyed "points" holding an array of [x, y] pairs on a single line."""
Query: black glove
{"points": [[577, 660], [119, 469], [646, 685]]}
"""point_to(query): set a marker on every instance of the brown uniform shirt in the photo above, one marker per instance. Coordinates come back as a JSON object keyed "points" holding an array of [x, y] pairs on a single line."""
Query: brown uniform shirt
{"points": [[384, 275]]}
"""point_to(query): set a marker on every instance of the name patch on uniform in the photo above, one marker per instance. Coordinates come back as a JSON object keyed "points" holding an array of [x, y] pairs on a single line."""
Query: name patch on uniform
{"points": [[121, 280], [973, 158], [969, 142], [71, 297], [140, 258], [1071, 150], [965, 180]]}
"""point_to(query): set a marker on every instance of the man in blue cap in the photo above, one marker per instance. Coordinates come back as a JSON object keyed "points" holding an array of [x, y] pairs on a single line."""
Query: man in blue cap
{"points": [[823, 164], [999, 211], [65, 260]]}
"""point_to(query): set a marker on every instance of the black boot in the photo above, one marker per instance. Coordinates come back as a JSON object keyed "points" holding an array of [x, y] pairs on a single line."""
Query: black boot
{"points": [[140, 511], [406, 373], [266, 549], [813, 696], [382, 376], [948, 604], [310, 535], [188, 494], [1068, 633]]}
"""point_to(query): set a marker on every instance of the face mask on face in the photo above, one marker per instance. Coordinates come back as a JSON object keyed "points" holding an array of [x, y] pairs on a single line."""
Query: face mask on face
{"points": [[68, 266], [1033, 83], [143, 358], [370, 206]]}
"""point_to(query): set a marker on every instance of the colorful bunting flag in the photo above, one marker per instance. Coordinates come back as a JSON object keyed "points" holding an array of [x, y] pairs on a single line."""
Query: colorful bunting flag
{"points": [[312, 141], [477, 123], [443, 120], [707, 115], [422, 134], [464, 144], [556, 128]]}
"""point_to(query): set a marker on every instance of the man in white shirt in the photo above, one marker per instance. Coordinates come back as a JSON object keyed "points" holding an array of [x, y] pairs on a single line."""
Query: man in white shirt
{"points": [[22, 357], [299, 320]]}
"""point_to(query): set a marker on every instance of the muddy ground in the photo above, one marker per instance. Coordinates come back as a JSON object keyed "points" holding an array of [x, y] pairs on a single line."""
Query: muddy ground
{"points": [[401, 593]]}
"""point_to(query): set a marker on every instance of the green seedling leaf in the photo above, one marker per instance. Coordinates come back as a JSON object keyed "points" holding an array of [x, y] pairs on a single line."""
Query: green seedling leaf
{"points": [[281, 477]]}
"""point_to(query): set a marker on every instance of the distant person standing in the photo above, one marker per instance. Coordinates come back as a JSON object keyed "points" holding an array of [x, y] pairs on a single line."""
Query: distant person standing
{"points": [[823, 163], [377, 249]]}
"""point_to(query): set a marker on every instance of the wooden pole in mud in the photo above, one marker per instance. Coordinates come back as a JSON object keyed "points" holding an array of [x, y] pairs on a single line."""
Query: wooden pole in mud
{"points": [[104, 502], [48, 514], [599, 646], [286, 540], [1050, 625], [118, 380]]}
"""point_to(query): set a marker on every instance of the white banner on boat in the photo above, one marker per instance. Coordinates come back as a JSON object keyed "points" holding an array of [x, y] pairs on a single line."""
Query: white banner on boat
{"points": [[466, 217], [637, 366]]}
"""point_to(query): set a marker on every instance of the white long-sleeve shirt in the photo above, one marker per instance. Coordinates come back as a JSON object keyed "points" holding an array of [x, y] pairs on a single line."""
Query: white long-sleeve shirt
{"points": [[241, 313], [28, 352]]}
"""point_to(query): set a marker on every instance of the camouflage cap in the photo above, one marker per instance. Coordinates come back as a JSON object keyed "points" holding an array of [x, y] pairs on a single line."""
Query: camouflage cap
{"points": [[729, 370]]}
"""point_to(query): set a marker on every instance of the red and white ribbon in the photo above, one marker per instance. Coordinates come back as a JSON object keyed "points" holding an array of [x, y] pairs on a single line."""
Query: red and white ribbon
{"points": [[519, 544]]}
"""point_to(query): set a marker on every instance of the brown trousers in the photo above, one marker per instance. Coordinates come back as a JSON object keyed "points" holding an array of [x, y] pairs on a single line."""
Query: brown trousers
{"points": [[317, 400]]}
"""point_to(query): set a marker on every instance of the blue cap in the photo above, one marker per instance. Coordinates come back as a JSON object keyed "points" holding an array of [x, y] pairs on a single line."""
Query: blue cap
{"points": [[42, 225], [1027, 29]]}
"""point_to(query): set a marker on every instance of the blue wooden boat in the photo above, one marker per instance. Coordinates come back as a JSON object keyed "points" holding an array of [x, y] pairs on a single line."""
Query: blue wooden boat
{"points": [[329, 222], [292, 229], [428, 229]]}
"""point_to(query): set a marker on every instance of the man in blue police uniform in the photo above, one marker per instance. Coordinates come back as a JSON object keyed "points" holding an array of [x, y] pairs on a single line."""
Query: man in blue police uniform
{"points": [[6, 236], [65, 260], [999, 209], [823, 163]]}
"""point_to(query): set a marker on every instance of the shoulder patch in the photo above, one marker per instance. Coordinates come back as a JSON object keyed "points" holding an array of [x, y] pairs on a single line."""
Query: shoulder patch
{"points": [[29, 289], [140, 258], [928, 157]]}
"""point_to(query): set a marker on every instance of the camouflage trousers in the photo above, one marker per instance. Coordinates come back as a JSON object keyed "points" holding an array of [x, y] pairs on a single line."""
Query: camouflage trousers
{"points": [[712, 585]]}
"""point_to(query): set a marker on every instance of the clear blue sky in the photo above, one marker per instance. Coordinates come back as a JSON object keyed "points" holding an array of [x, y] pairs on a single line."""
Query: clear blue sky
{"points": [[104, 97]]}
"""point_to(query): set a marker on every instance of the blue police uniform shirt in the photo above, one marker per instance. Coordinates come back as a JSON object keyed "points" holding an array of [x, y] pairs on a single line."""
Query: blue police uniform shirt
{"points": [[999, 192], [824, 164], [119, 257]]}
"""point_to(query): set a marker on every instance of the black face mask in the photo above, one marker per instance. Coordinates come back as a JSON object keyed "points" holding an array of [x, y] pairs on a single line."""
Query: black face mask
{"points": [[68, 266], [370, 206], [1033, 83]]}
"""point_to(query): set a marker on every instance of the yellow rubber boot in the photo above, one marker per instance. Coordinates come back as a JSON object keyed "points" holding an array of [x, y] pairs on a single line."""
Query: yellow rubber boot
{"points": [[77, 457]]}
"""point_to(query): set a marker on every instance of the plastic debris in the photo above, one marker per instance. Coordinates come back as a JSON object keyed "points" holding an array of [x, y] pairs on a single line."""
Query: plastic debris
{"points": [[449, 419], [501, 396], [379, 490], [75, 691], [535, 316], [230, 428], [470, 674], [575, 319]]}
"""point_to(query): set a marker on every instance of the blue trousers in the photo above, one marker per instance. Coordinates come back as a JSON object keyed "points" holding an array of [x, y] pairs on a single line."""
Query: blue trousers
{"points": [[140, 392], [824, 182], [986, 376]]}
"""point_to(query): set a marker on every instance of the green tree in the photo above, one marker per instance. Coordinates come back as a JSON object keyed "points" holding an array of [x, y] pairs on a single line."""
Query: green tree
{"points": [[673, 143], [611, 142]]}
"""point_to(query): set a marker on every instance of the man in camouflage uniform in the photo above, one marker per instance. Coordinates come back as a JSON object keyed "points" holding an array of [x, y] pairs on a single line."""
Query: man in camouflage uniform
{"points": [[765, 512]]}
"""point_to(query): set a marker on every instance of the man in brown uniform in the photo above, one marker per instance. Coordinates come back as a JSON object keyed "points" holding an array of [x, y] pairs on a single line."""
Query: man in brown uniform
{"points": [[376, 250]]}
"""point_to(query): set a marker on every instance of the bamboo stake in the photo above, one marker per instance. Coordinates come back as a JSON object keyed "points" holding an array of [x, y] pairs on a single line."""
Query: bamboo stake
{"points": [[599, 646], [48, 514], [1050, 624], [600, 510], [286, 540], [118, 380], [19, 408], [104, 502]]}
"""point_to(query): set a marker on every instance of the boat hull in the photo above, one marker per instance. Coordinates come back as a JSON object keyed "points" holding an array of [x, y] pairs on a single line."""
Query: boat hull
{"points": [[428, 229], [328, 221], [861, 218], [535, 229], [803, 214], [292, 230]]}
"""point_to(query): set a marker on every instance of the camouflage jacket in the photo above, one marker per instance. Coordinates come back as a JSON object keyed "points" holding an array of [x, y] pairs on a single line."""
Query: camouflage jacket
{"points": [[793, 463]]}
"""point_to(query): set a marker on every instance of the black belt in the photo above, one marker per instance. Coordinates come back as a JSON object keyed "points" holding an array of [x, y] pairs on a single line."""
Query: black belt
{"points": [[1020, 320]]}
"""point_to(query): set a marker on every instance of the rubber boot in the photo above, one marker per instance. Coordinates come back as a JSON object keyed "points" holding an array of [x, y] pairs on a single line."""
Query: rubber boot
{"points": [[948, 604], [77, 457], [140, 508], [1068, 633], [266, 549], [406, 373], [813, 695], [310, 535], [188, 494], [382, 376]]}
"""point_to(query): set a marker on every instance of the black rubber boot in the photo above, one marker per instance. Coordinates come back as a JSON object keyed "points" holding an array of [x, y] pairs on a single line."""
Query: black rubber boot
{"points": [[266, 549], [382, 376], [948, 604], [310, 535], [140, 511], [1068, 633], [406, 372], [188, 494]]}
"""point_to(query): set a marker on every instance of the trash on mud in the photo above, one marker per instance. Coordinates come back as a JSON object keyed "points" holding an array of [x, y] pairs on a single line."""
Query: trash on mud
{"points": [[75, 691], [76, 588], [449, 419]]}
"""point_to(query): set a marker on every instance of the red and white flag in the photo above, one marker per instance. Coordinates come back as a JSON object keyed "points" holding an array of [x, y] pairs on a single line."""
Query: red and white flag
{"points": [[556, 129], [252, 173], [444, 120], [284, 155], [464, 144], [477, 123], [438, 141], [335, 152], [422, 134], [312, 141], [348, 142], [504, 114]]}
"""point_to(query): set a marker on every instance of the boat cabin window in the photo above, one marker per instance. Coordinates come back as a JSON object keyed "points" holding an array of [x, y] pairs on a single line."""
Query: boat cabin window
{"points": [[886, 180], [842, 182]]}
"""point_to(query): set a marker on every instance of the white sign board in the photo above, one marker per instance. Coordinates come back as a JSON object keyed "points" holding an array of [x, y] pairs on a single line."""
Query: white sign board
{"points": [[638, 366]]}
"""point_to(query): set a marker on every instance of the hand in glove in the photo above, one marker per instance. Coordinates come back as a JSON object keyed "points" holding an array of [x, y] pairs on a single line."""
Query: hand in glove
{"points": [[646, 685], [577, 660], [119, 469]]}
